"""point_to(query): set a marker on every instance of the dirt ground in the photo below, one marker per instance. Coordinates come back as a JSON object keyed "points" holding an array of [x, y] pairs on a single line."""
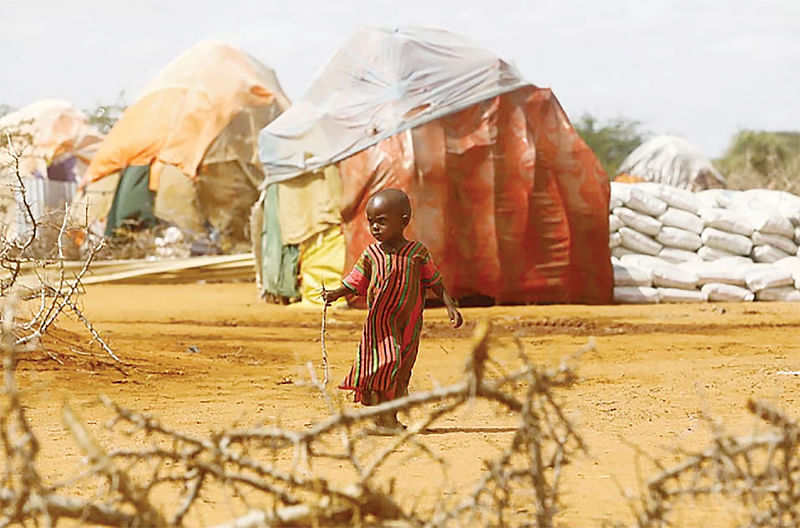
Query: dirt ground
{"points": [[202, 357]]}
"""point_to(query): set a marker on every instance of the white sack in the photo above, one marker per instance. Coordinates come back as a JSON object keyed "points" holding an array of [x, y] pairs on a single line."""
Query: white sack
{"points": [[671, 276], [631, 276], [614, 223], [716, 292], [682, 219], [783, 243], [797, 235], [635, 295], [679, 238], [673, 196], [643, 261], [789, 263], [644, 202], [712, 272], [638, 221], [711, 254], [736, 260], [762, 218], [620, 191], [676, 295], [784, 294], [676, 256], [717, 197], [638, 242], [614, 240], [758, 279], [620, 252], [736, 244], [767, 253], [614, 202], [725, 220], [782, 202]]}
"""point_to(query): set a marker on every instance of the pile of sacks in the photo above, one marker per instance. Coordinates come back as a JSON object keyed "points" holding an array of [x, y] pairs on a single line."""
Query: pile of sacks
{"points": [[672, 245]]}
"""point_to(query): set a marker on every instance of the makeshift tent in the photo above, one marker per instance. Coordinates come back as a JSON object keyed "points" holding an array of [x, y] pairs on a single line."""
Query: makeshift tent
{"points": [[671, 160], [54, 143], [185, 151], [505, 194]]}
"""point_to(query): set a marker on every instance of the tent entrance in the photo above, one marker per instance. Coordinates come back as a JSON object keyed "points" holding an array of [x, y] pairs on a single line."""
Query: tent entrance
{"points": [[133, 201]]}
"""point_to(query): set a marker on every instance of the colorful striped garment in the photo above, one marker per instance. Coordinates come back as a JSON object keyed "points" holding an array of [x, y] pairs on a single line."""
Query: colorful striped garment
{"points": [[394, 284]]}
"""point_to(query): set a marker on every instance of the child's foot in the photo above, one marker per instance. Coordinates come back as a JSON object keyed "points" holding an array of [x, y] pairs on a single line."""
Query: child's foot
{"points": [[388, 423]]}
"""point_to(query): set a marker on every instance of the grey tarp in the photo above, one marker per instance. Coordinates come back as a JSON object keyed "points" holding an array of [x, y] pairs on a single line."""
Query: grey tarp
{"points": [[410, 76]]}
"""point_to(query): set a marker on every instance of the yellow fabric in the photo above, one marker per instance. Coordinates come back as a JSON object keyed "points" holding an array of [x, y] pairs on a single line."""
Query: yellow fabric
{"points": [[309, 204], [321, 261], [184, 108]]}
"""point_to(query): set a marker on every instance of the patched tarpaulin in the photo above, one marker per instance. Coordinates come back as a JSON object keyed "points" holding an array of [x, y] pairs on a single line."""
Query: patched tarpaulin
{"points": [[184, 109], [508, 198]]}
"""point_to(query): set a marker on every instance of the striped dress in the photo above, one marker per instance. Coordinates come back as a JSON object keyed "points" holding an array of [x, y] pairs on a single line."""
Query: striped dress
{"points": [[394, 285]]}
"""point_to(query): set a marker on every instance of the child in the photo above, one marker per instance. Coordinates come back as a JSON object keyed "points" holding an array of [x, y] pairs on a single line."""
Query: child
{"points": [[394, 275]]}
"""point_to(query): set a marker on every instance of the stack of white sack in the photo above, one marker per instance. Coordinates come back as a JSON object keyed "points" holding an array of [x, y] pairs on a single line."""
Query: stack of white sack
{"points": [[672, 245]]}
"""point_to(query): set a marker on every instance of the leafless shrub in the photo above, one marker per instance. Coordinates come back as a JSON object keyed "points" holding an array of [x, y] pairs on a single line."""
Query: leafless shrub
{"points": [[281, 476], [755, 479], [32, 265]]}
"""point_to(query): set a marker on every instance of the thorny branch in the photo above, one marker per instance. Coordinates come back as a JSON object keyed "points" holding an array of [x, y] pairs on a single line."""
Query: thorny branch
{"points": [[280, 475], [56, 294], [755, 478]]}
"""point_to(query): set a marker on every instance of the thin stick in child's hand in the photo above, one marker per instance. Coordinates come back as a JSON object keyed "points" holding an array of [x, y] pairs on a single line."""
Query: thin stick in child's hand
{"points": [[322, 336]]}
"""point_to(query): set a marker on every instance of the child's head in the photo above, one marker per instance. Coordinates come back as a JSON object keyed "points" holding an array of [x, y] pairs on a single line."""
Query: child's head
{"points": [[388, 214]]}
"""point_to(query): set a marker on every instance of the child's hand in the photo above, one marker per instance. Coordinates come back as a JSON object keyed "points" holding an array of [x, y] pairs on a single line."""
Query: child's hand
{"points": [[455, 316], [331, 295]]}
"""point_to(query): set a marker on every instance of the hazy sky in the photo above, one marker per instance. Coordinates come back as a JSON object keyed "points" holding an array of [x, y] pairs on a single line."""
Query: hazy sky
{"points": [[699, 68]]}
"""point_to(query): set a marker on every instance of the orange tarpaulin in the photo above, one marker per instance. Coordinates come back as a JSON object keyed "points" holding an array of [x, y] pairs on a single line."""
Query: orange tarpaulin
{"points": [[508, 198], [183, 109]]}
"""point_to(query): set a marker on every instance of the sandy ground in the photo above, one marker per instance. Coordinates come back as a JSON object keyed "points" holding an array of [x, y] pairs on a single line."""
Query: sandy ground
{"points": [[655, 371]]}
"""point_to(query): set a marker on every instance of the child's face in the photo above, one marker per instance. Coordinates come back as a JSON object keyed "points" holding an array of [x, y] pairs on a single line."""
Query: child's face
{"points": [[386, 219]]}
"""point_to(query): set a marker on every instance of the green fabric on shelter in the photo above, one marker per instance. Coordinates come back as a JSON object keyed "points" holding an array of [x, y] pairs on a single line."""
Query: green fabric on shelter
{"points": [[133, 200], [279, 262]]}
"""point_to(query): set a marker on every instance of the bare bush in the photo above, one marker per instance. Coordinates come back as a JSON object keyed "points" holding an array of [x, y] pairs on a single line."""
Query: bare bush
{"points": [[755, 479], [33, 267], [280, 475]]}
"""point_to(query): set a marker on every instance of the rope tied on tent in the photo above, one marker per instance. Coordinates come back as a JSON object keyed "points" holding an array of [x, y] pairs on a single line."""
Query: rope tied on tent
{"points": [[322, 337]]}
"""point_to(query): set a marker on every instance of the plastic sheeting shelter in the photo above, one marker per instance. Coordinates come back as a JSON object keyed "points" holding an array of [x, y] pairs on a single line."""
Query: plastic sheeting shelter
{"points": [[55, 143], [508, 198], [185, 150], [673, 161]]}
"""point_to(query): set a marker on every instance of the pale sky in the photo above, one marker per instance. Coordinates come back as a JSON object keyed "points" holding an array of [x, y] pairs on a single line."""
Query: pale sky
{"points": [[702, 69]]}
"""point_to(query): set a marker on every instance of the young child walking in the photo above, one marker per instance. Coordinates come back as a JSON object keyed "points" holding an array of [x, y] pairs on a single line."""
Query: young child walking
{"points": [[393, 274]]}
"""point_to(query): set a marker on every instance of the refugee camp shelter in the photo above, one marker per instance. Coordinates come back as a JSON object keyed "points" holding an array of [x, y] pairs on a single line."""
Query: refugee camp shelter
{"points": [[508, 198], [185, 152], [671, 160], [49, 143]]}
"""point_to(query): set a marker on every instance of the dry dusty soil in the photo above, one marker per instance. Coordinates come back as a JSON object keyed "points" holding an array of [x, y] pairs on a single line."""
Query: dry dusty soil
{"points": [[202, 357]]}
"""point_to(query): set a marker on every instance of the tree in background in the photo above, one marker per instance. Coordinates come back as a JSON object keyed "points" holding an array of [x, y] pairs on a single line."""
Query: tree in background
{"points": [[5, 109], [758, 159], [104, 116], [611, 140]]}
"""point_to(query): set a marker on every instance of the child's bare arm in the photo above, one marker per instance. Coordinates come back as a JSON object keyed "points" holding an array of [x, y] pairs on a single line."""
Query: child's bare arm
{"points": [[452, 311], [331, 295]]}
